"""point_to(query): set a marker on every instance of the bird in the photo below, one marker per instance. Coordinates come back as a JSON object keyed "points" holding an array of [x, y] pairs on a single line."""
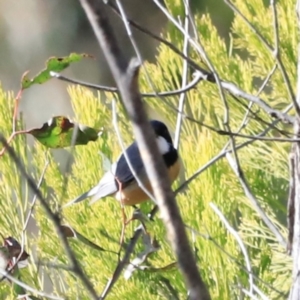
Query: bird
{"points": [[120, 182]]}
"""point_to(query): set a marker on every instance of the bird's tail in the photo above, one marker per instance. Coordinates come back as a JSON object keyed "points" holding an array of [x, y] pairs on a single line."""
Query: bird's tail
{"points": [[91, 192]]}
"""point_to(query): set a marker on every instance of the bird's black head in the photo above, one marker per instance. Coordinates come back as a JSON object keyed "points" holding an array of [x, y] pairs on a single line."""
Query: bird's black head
{"points": [[161, 129]]}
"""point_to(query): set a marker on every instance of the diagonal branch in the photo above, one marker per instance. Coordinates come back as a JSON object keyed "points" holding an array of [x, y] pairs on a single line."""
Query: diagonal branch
{"points": [[126, 77], [54, 217]]}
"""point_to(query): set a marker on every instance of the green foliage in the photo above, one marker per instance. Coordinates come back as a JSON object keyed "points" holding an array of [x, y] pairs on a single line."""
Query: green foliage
{"points": [[265, 166], [14, 198], [59, 132], [55, 64]]}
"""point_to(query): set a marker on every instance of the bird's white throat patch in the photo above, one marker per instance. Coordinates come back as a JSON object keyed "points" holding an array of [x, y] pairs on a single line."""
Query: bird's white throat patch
{"points": [[163, 145]]}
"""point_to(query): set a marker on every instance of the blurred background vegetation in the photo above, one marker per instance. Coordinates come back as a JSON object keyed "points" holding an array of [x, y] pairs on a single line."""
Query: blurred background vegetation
{"points": [[32, 31]]}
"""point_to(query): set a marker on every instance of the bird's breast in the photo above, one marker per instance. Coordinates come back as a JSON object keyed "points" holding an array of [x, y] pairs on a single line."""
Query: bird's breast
{"points": [[133, 194]]}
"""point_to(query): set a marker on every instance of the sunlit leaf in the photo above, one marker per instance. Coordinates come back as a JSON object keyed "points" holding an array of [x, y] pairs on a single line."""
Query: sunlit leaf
{"points": [[58, 132], [56, 64]]}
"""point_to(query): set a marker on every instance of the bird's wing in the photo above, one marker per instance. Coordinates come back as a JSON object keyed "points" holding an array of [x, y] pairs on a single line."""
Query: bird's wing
{"points": [[120, 174], [123, 173]]}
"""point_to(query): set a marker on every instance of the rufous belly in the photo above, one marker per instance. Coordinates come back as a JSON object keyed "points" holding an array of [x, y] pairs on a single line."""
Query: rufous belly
{"points": [[133, 194]]}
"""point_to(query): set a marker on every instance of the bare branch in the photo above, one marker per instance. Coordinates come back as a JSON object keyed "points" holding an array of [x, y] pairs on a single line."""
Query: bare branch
{"points": [[54, 217], [197, 78], [230, 87], [146, 31], [27, 287], [123, 263], [236, 261], [208, 76], [293, 215], [234, 90], [126, 77], [184, 81], [275, 51], [240, 242], [224, 152], [32, 204], [240, 175]]}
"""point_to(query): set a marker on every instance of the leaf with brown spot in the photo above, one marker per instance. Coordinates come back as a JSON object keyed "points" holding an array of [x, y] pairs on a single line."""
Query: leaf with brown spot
{"points": [[58, 132]]}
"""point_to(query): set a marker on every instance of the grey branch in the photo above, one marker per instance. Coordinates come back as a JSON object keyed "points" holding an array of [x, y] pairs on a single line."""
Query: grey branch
{"points": [[54, 217], [293, 215], [126, 77]]}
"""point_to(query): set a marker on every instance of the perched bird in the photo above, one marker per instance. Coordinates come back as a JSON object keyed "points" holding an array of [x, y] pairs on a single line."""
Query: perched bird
{"points": [[121, 183]]}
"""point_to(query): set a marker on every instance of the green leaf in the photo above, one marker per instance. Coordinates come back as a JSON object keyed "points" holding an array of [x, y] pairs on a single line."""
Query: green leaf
{"points": [[56, 64], [58, 133]]}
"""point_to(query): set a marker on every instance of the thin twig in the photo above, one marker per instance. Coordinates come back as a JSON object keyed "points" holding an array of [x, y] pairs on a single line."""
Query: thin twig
{"points": [[27, 287], [277, 55], [265, 82], [197, 78], [134, 44], [254, 201], [251, 26], [123, 263], [207, 76], [222, 154], [126, 77], [233, 89], [10, 139], [260, 293], [219, 131], [183, 83], [234, 259], [32, 204], [54, 217], [230, 87], [15, 113], [239, 241], [293, 206], [158, 38], [273, 50], [249, 294]]}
